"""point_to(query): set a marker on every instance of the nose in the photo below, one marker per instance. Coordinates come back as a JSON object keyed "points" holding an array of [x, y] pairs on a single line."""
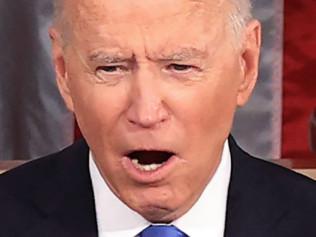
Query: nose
{"points": [[147, 107]]}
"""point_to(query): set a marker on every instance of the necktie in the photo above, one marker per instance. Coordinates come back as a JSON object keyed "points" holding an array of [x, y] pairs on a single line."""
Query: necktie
{"points": [[162, 231]]}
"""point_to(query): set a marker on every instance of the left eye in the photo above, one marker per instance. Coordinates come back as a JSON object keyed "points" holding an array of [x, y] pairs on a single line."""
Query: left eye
{"points": [[179, 67]]}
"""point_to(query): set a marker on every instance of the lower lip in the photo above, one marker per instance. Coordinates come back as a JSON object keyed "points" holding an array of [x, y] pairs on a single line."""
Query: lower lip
{"points": [[152, 176]]}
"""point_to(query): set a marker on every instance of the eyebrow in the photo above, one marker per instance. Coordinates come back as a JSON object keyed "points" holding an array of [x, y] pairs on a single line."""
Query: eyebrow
{"points": [[183, 54], [108, 57]]}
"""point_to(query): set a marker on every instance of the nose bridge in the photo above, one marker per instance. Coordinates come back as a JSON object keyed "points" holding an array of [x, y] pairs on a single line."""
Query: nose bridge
{"points": [[147, 103]]}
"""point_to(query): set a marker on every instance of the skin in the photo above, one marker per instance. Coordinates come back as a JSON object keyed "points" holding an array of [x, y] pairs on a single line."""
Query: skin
{"points": [[155, 74]]}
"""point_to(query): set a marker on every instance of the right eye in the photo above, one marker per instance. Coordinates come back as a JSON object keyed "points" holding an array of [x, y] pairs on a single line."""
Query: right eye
{"points": [[111, 69], [111, 73]]}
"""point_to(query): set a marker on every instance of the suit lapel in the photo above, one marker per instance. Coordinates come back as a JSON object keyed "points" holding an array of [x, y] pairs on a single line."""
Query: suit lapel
{"points": [[66, 203], [252, 207]]}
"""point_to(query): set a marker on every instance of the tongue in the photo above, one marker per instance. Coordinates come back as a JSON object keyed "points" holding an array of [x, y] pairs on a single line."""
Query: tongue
{"points": [[150, 157]]}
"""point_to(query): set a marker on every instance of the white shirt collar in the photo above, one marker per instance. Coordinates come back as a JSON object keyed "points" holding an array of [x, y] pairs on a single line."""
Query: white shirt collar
{"points": [[205, 218]]}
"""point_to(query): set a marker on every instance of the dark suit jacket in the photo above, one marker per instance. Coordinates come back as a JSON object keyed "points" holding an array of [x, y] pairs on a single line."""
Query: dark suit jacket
{"points": [[52, 197]]}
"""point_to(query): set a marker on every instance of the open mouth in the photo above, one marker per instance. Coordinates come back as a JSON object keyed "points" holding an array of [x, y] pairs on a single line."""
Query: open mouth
{"points": [[149, 160]]}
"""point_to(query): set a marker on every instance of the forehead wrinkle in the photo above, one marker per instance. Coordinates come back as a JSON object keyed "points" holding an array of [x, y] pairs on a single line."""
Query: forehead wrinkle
{"points": [[174, 56], [87, 13], [90, 11]]}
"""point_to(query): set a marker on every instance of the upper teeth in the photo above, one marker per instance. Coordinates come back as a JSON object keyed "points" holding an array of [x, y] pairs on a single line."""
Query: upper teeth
{"points": [[150, 167]]}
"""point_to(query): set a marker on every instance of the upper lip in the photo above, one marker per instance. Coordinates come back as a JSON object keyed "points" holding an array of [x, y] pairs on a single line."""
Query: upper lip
{"points": [[128, 152]]}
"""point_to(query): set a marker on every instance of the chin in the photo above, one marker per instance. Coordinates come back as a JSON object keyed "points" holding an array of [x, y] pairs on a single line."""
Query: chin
{"points": [[157, 214], [157, 207]]}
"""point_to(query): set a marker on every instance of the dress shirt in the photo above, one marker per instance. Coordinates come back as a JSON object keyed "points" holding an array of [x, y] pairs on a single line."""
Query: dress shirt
{"points": [[205, 218]]}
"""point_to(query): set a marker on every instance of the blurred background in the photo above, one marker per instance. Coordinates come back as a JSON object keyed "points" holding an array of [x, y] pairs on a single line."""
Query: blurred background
{"points": [[278, 122]]}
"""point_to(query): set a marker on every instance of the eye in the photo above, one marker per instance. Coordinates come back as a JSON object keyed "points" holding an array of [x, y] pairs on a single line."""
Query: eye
{"points": [[111, 73], [111, 69], [180, 68]]}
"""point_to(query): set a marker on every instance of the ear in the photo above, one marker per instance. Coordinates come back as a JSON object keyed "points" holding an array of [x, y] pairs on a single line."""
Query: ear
{"points": [[249, 61], [59, 62]]}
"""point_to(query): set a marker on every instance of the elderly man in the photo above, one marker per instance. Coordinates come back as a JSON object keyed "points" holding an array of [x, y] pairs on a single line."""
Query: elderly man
{"points": [[154, 85]]}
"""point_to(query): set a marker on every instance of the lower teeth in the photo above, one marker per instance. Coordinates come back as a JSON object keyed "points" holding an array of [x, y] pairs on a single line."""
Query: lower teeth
{"points": [[150, 167]]}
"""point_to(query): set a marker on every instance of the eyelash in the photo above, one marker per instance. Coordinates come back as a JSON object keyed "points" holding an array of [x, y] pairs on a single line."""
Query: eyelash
{"points": [[120, 67], [182, 68], [170, 68]]}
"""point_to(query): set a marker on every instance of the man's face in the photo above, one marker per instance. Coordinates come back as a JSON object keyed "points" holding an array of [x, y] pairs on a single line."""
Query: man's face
{"points": [[154, 85]]}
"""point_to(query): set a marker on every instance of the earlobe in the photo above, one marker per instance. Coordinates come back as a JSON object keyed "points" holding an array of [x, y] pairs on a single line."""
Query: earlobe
{"points": [[58, 58], [249, 61]]}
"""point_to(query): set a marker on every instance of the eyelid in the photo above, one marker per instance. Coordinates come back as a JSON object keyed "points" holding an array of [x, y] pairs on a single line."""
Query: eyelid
{"points": [[181, 64], [112, 65], [110, 77], [121, 66], [187, 67]]}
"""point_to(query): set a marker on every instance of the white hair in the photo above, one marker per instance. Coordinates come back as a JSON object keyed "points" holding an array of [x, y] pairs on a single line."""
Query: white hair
{"points": [[238, 16]]}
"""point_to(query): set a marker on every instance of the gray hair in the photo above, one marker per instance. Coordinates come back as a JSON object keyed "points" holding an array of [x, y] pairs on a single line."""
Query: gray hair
{"points": [[238, 17]]}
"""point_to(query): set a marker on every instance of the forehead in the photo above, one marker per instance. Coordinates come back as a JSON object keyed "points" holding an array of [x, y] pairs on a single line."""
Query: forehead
{"points": [[120, 11], [156, 23]]}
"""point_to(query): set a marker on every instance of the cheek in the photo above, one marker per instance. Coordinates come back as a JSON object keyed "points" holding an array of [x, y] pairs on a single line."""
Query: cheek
{"points": [[97, 108], [207, 108]]}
